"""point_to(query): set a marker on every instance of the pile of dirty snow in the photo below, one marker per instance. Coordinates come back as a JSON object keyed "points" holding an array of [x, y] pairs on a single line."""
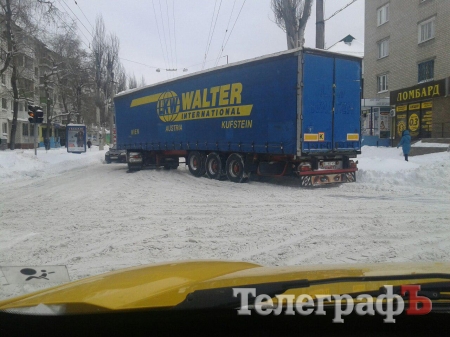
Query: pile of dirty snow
{"points": [[387, 166]]}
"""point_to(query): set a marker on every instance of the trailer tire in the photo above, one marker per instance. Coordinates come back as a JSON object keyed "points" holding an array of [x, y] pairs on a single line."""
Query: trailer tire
{"points": [[215, 166], [235, 168], [196, 163]]}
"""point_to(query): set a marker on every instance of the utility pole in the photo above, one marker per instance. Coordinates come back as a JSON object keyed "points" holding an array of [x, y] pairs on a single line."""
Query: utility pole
{"points": [[35, 129], [47, 100], [112, 113], [78, 103], [320, 25], [101, 131]]}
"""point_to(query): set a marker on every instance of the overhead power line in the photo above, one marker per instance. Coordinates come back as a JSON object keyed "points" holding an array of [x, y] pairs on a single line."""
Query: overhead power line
{"points": [[174, 33], [170, 35], [213, 29], [64, 3], [159, 34], [142, 64], [340, 10], [225, 35], [164, 33], [237, 18], [210, 28], [73, 31], [84, 15]]}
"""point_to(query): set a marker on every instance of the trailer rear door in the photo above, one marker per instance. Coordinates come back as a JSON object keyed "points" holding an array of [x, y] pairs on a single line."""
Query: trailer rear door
{"points": [[330, 104], [347, 105]]}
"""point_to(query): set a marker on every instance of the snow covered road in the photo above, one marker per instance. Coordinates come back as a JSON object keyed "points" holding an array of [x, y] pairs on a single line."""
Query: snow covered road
{"points": [[60, 209]]}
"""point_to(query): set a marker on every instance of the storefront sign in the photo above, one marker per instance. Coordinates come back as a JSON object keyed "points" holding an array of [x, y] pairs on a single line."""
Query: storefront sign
{"points": [[369, 102], [419, 92]]}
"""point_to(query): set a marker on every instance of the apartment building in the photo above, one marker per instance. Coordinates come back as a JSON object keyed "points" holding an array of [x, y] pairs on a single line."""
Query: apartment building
{"points": [[33, 61], [407, 61]]}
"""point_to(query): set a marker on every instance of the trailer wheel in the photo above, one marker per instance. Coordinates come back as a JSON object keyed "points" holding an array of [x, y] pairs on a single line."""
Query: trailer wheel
{"points": [[214, 166], [235, 168], [196, 163]]}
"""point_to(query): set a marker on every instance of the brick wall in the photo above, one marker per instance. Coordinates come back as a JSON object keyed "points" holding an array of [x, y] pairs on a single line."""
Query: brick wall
{"points": [[405, 53]]}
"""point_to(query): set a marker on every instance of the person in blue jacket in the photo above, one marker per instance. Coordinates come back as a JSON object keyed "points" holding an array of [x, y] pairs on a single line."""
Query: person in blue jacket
{"points": [[405, 142]]}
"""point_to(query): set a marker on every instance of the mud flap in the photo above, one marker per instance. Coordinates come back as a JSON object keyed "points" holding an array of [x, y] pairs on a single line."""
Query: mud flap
{"points": [[306, 181], [350, 177]]}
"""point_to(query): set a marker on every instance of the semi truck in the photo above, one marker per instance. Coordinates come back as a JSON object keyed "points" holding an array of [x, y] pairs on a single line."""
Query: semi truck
{"points": [[291, 113]]}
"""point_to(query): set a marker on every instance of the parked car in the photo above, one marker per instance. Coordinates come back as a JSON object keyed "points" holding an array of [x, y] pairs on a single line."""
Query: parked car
{"points": [[115, 155]]}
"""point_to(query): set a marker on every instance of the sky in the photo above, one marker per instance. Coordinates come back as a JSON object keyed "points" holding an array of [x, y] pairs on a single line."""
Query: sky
{"points": [[188, 35]]}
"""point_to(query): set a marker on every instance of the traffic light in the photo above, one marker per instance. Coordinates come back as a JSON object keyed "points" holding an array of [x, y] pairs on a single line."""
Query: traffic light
{"points": [[31, 113], [36, 114], [39, 115]]}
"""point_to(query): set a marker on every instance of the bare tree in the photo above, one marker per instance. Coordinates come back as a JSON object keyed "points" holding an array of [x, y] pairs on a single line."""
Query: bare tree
{"points": [[22, 19], [121, 78], [99, 60], [132, 82], [142, 82], [70, 68], [291, 16], [105, 57], [112, 60]]}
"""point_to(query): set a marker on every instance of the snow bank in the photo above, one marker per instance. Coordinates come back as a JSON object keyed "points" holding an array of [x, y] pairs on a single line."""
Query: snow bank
{"points": [[23, 164], [387, 166], [377, 165], [420, 144]]}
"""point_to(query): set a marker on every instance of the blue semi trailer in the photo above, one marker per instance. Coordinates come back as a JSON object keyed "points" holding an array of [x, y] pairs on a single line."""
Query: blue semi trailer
{"points": [[290, 113]]}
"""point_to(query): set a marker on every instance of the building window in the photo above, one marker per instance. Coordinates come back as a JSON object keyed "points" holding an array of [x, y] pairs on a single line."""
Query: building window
{"points": [[25, 129], [20, 62], [383, 48], [426, 71], [383, 15], [382, 83], [4, 128], [4, 103], [426, 30], [29, 64], [3, 79]]}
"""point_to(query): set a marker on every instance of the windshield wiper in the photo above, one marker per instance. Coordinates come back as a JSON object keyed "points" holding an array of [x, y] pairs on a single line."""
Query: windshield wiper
{"points": [[223, 298], [433, 291]]}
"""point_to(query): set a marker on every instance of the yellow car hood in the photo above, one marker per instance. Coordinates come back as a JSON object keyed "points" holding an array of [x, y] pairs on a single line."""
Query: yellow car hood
{"points": [[166, 285]]}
